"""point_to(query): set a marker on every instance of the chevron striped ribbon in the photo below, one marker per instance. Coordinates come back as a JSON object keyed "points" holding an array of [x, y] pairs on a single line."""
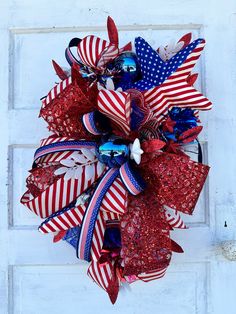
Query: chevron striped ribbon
{"points": [[68, 218], [116, 106]]}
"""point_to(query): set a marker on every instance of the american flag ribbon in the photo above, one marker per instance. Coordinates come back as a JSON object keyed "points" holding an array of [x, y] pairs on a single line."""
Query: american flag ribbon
{"points": [[90, 217], [175, 91], [132, 182], [116, 106], [62, 146]]}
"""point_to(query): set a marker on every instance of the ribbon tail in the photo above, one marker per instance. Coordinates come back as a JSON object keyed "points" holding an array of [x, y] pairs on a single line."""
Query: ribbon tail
{"points": [[104, 276], [91, 214]]}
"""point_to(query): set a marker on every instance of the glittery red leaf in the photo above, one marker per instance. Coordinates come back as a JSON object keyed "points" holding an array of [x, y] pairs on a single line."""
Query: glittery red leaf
{"points": [[151, 146], [191, 79], [127, 47], [168, 125], [186, 39], [112, 31], [59, 71], [59, 236], [190, 135], [113, 289], [176, 247]]}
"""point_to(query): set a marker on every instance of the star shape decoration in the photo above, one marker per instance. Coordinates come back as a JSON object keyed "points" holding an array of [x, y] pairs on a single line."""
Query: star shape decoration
{"points": [[136, 151], [154, 70], [172, 87]]}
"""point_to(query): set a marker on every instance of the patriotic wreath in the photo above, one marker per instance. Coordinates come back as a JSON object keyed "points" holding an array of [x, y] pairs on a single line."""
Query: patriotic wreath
{"points": [[114, 175]]}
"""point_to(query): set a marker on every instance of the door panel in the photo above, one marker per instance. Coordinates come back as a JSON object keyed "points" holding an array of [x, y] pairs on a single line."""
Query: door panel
{"points": [[34, 272]]}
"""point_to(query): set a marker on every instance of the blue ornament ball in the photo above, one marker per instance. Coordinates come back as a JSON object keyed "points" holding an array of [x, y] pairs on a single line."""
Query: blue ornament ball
{"points": [[112, 152], [127, 70]]}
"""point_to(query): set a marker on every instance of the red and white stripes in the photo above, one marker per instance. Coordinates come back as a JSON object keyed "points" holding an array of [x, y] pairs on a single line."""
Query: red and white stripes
{"points": [[101, 273], [174, 219], [57, 196], [116, 106], [95, 52], [175, 91], [56, 90], [115, 200], [152, 275], [68, 219], [98, 237], [54, 157], [107, 55]]}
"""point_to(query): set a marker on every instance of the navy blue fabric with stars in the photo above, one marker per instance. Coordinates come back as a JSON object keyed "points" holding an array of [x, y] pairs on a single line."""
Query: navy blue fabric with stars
{"points": [[154, 70]]}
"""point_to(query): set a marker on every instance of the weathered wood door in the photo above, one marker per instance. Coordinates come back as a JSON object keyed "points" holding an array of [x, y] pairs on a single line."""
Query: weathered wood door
{"points": [[37, 276]]}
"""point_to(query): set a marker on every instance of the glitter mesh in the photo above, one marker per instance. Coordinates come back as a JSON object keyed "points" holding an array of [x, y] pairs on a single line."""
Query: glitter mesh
{"points": [[63, 114], [145, 235], [41, 178], [177, 180]]}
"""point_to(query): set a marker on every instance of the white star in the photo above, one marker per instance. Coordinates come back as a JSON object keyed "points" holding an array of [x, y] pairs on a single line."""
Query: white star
{"points": [[136, 151]]}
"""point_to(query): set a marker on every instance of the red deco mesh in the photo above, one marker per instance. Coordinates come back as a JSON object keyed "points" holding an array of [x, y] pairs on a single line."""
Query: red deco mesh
{"points": [[40, 178], [63, 114], [145, 235], [177, 180]]}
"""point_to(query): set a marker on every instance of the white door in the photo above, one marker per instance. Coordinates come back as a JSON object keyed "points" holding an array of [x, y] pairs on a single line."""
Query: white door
{"points": [[37, 276]]}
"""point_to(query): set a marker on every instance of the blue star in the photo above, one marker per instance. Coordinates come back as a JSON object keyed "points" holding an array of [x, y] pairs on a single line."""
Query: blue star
{"points": [[154, 70]]}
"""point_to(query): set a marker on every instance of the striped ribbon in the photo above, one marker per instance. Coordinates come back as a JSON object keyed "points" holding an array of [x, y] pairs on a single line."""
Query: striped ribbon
{"points": [[62, 192], [174, 219], [153, 275], [61, 147], [89, 123], [56, 90], [101, 197], [90, 217], [68, 218], [116, 106], [132, 181], [70, 57]]}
